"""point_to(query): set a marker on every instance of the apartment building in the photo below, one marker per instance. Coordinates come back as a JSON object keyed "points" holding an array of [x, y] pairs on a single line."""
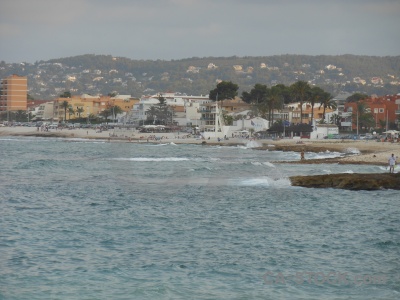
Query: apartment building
{"points": [[13, 93]]}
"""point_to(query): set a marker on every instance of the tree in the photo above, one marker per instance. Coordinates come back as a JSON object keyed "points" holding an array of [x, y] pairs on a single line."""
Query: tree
{"points": [[105, 113], [299, 91], [285, 92], [115, 110], [65, 105], [20, 115], [228, 120], [356, 97], [274, 100], [315, 95], [79, 110], [66, 94], [111, 111], [160, 113], [258, 97], [335, 119], [326, 101], [363, 118], [224, 90], [71, 112]]}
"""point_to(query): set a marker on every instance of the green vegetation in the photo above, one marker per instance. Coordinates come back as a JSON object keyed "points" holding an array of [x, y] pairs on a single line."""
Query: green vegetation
{"points": [[102, 74]]}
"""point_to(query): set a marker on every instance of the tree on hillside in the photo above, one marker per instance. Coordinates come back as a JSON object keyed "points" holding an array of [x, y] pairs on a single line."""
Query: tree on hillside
{"points": [[299, 92], [224, 90]]}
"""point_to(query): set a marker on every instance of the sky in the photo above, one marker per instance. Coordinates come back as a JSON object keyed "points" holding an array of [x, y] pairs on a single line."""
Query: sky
{"points": [[35, 30]]}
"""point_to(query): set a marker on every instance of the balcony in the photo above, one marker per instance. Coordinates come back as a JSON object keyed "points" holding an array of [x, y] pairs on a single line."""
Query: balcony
{"points": [[346, 114]]}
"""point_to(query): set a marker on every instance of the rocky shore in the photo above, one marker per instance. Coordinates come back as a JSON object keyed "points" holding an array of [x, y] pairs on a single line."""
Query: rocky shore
{"points": [[355, 182]]}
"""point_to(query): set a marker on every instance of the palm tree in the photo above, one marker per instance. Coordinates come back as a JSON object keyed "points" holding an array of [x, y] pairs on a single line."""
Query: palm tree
{"points": [[364, 117], [65, 105], [274, 100], [80, 110], [299, 91], [315, 95], [70, 111], [326, 102]]}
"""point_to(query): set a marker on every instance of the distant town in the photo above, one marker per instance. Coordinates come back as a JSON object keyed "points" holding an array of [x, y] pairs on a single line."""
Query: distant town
{"points": [[262, 110]]}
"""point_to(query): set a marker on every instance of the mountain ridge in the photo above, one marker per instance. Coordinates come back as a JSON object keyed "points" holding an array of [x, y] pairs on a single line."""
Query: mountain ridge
{"points": [[104, 74]]}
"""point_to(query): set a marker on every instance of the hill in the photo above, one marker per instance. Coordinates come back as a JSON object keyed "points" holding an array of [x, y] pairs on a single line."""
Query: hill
{"points": [[104, 74]]}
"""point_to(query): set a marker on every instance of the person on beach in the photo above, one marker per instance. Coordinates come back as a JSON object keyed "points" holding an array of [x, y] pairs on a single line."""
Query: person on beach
{"points": [[392, 162]]}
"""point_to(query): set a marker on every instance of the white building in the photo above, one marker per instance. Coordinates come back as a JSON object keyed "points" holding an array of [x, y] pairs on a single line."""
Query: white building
{"points": [[186, 108]]}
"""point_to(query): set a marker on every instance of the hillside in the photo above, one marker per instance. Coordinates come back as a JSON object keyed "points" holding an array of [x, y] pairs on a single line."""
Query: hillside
{"points": [[104, 74]]}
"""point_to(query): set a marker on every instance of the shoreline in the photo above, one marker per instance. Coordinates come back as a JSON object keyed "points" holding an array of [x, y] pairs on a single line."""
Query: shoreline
{"points": [[356, 152]]}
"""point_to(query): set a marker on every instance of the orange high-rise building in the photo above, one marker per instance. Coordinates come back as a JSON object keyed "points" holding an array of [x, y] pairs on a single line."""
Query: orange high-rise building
{"points": [[14, 93]]}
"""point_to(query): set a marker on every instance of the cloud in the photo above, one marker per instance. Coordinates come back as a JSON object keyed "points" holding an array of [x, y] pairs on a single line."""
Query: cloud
{"points": [[166, 29]]}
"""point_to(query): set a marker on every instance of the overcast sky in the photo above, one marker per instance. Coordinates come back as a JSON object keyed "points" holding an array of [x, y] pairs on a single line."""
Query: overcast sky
{"points": [[34, 30]]}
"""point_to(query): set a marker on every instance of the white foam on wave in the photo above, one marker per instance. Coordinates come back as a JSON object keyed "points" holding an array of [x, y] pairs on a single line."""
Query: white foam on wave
{"points": [[352, 151], [264, 181], [267, 163], [322, 155], [349, 172], [253, 144], [151, 159]]}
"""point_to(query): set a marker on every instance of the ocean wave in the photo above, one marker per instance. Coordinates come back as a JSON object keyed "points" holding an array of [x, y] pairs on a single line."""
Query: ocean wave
{"points": [[263, 181], [152, 159], [352, 151]]}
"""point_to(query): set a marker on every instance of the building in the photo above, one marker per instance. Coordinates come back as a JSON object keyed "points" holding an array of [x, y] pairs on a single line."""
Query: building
{"points": [[186, 108], [86, 105], [316, 114], [14, 93], [384, 110]]}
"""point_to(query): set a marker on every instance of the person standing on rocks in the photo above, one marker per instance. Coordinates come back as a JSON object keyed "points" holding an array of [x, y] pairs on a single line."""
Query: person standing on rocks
{"points": [[302, 154], [392, 162]]}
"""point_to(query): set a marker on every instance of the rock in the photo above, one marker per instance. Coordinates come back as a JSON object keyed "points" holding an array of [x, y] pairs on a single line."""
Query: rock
{"points": [[355, 181]]}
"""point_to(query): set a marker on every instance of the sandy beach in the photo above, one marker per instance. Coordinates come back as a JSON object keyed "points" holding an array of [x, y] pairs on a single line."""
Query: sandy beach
{"points": [[360, 152]]}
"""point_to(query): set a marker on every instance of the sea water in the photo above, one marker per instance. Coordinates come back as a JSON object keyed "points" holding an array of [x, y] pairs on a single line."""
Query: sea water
{"points": [[84, 219]]}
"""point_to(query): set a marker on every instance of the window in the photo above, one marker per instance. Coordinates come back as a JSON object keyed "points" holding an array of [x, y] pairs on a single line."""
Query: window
{"points": [[381, 110]]}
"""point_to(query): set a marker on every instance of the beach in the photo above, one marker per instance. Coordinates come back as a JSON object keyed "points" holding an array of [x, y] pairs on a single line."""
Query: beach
{"points": [[359, 151]]}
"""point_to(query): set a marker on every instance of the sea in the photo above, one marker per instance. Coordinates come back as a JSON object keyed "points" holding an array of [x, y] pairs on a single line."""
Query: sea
{"points": [[92, 219]]}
